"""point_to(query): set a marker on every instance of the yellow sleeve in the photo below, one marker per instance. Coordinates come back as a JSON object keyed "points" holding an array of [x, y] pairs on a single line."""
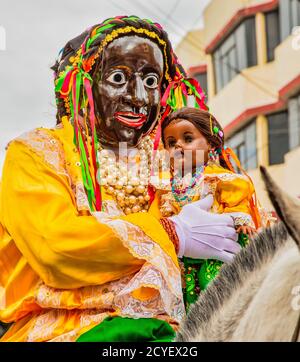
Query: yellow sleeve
{"points": [[155, 206], [66, 250], [149, 223], [234, 195]]}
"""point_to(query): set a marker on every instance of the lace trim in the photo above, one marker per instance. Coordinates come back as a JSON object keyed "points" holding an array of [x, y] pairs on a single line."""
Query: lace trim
{"points": [[226, 176], [48, 325], [158, 272], [44, 144], [81, 197], [164, 275], [117, 296], [97, 302], [44, 325], [111, 208]]}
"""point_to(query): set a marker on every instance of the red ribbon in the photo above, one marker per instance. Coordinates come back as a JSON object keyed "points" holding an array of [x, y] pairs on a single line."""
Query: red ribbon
{"points": [[174, 84], [198, 88], [89, 93]]}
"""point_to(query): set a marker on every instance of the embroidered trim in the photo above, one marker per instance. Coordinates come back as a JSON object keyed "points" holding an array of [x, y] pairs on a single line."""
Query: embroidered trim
{"points": [[169, 227]]}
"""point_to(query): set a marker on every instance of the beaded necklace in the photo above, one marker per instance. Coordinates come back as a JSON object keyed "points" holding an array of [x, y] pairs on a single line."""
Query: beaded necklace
{"points": [[185, 188], [127, 184]]}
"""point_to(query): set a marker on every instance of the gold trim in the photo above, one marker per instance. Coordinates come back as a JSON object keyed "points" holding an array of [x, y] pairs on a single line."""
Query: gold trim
{"points": [[128, 29]]}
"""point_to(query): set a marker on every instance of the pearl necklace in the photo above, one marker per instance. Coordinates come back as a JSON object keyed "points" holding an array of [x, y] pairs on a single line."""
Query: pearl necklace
{"points": [[128, 178]]}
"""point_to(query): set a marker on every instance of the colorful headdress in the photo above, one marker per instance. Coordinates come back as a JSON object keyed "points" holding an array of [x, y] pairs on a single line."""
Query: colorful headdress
{"points": [[73, 87]]}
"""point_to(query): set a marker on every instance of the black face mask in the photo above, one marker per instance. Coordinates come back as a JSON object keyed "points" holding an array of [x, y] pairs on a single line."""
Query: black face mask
{"points": [[127, 90]]}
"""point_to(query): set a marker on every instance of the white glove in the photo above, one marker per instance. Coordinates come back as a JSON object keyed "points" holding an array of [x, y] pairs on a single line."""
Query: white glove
{"points": [[204, 235]]}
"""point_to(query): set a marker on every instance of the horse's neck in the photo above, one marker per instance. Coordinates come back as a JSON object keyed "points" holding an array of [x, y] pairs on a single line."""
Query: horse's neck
{"points": [[259, 309], [251, 299], [225, 321], [270, 316]]}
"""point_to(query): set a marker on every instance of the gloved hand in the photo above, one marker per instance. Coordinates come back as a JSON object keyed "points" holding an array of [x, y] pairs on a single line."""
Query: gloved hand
{"points": [[204, 235]]}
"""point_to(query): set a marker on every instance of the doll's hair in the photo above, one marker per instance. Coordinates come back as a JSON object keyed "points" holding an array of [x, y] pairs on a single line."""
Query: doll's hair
{"points": [[205, 122]]}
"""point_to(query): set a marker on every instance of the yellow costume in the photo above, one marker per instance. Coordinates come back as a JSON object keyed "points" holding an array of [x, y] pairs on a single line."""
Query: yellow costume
{"points": [[65, 269], [232, 193]]}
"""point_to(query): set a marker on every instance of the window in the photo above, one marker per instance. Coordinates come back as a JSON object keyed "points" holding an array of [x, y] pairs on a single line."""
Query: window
{"points": [[250, 32], [294, 122], [272, 31], [278, 137], [202, 79], [244, 145], [238, 51], [289, 16]]}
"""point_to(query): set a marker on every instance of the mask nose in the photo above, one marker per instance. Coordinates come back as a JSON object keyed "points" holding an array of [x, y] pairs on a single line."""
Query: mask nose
{"points": [[137, 94]]}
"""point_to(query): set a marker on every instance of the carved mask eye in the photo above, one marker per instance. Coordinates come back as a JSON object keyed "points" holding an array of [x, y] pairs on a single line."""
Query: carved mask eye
{"points": [[151, 81], [117, 77]]}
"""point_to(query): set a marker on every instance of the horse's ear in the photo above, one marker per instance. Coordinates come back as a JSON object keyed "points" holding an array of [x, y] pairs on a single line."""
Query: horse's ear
{"points": [[287, 208]]}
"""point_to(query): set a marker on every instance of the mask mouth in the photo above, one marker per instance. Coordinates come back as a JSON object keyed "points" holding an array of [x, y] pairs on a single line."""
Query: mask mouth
{"points": [[130, 119]]}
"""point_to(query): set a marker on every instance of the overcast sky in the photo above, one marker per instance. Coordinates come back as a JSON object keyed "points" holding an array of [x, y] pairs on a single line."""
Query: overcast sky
{"points": [[35, 32]]}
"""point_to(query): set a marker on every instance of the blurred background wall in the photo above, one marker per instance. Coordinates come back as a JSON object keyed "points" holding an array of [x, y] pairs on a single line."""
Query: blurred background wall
{"points": [[247, 58]]}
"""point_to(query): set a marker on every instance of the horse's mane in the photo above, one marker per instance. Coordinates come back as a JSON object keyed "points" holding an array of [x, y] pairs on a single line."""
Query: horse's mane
{"points": [[232, 276]]}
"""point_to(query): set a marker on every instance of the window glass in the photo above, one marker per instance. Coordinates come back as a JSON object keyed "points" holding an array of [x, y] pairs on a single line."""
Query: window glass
{"points": [[278, 132], [250, 31], [272, 32], [244, 145], [294, 122], [289, 14], [237, 52]]}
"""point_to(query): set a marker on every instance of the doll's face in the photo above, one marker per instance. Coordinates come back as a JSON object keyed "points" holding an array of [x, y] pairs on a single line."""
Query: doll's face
{"points": [[187, 146], [127, 90]]}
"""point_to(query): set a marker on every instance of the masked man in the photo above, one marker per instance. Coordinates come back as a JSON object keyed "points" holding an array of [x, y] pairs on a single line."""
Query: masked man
{"points": [[84, 253]]}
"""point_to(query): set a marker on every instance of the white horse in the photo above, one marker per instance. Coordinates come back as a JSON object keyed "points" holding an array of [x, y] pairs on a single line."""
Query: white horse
{"points": [[257, 296]]}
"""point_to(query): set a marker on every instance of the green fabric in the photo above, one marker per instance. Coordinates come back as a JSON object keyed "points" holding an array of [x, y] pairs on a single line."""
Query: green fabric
{"points": [[208, 271], [200, 272], [123, 329]]}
